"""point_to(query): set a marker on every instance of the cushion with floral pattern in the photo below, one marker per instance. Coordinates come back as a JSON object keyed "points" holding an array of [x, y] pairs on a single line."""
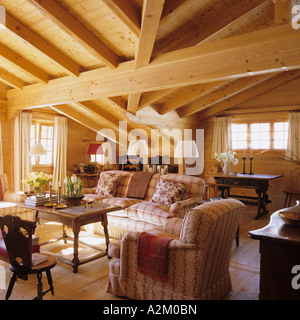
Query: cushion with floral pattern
{"points": [[168, 192], [107, 184]]}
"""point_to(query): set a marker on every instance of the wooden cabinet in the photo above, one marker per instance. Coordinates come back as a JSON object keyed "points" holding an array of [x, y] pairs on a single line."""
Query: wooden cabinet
{"points": [[280, 252]]}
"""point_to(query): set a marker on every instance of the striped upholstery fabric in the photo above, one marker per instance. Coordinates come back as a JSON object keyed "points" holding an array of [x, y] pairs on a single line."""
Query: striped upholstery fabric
{"points": [[10, 200], [198, 261]]}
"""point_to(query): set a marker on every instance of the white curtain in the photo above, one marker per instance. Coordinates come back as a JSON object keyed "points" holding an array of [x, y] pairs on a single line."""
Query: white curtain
{"points": [[222, 135], [1, 152], [60, 151], [22, 161], [293, 146]]}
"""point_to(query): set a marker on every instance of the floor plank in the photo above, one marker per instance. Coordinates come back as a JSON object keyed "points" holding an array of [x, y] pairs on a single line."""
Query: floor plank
{"points": [[91, 280]]}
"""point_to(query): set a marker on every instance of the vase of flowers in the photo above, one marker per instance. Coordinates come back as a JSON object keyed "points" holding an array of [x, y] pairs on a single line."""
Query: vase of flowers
{"points": [[73, 195], [226, 158], [37, 180]]}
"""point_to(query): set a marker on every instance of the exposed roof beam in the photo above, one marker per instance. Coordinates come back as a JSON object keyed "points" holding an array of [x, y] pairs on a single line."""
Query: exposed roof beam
{"points": [[186, 95], [224, 92], [150, 97], [190, 66], [193, 37], [151, 14], [28, 67], [16, 28], [11, 80], [271, 83], [127, 13], [282, 9], [53, 11]]}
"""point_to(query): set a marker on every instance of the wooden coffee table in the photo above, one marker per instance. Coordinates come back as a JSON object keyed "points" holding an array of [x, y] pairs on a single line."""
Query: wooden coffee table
{"points": [[76, 217]]}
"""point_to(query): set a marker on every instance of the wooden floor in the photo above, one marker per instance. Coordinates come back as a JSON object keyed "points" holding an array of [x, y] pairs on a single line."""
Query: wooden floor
{"points": [[91, 280]]}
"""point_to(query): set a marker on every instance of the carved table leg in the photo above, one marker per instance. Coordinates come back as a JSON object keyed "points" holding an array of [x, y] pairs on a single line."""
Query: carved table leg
{"points": [[75, 260]]}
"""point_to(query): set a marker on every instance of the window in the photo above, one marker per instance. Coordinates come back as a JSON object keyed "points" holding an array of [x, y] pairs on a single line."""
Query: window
{"points": [[260, 135], [42, 133], [239, 136], [280, 135]]}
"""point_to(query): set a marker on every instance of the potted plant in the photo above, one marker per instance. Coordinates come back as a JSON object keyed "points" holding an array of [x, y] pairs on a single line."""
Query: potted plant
{"points": [[73, 195], [37, 180]]}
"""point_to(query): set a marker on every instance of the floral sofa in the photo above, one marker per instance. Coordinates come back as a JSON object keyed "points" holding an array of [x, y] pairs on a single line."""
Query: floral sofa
{"points": [[140, 214]]}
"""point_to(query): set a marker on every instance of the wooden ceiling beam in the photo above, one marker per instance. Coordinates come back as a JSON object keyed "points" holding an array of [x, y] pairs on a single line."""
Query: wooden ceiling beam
{"points": [[148, 98], [224, 92], [28, 67], [190, 66], [186, 95], [28, 37], [151, 15], [270, 83], [55, 13], [127, 13], [11, 80], [193, 37]]}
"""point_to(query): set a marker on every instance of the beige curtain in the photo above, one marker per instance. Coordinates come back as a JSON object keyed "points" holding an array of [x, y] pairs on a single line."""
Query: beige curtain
{"points": [[293, 146], [22, 161], [1, 152], [60, 151], [222, 135]]}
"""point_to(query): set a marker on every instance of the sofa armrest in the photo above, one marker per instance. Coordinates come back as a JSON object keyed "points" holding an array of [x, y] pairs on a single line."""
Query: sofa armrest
{"points": [[179, 208], [16, 197], [173, 226], [89, 190]]}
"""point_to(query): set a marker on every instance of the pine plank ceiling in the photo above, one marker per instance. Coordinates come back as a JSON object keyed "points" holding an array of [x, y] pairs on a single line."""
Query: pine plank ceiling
{"points": [[101, 61]]}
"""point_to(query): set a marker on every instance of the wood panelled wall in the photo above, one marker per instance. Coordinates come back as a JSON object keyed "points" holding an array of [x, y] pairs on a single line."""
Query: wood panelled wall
{"points": [[265, 163]]}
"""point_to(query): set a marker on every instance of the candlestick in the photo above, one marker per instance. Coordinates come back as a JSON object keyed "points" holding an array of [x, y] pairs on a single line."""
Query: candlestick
{"points": [[251, 165], [244, 167], [59, 204]]}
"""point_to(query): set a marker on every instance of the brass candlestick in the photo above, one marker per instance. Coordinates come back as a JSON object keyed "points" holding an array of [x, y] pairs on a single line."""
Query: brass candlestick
{"points": [[59, 204], [50, 203]]}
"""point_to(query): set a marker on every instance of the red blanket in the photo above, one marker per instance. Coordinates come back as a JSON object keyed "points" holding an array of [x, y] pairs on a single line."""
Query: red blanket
{"points": [[152, 256]]}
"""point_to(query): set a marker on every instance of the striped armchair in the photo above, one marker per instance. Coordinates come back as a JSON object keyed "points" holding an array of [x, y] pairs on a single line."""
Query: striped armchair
{"points": [[198, 256], [10, 199]]}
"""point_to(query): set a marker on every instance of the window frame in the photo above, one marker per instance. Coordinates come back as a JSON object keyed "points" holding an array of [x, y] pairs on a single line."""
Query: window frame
{"points": [[248, 123], [38, 132]]}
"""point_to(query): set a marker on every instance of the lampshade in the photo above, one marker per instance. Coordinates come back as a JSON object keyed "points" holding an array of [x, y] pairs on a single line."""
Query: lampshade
{"points": [[95, 148], [186, 149], [137, 148], [37, 150]]}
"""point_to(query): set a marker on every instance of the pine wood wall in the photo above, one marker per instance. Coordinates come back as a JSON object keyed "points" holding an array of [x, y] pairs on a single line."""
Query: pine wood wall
{"points": [[265, 163]]}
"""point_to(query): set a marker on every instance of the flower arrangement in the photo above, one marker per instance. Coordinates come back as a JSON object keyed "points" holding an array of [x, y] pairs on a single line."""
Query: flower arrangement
{"points": [[37, 180], [73, 186], [227, 157]]}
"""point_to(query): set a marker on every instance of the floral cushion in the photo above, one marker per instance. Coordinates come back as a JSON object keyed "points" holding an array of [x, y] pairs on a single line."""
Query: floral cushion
{"points": [[168, 192], [107, 184]]}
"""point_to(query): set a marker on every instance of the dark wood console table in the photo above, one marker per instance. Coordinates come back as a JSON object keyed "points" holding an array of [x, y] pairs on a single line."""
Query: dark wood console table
{"points": [[280, 252], [258, 182]]}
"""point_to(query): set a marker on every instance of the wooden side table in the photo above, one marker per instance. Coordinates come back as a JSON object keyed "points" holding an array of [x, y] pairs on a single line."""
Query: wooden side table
{"points": [[89, 180], [280, 252]]}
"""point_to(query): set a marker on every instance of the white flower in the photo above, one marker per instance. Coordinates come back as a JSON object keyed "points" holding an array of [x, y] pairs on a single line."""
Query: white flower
{"points": [[227, 157], [74, 178]]}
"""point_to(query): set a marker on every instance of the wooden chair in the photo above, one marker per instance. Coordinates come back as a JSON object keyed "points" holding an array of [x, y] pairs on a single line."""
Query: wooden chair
{"points": [[17, 235], [294, 189]]}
